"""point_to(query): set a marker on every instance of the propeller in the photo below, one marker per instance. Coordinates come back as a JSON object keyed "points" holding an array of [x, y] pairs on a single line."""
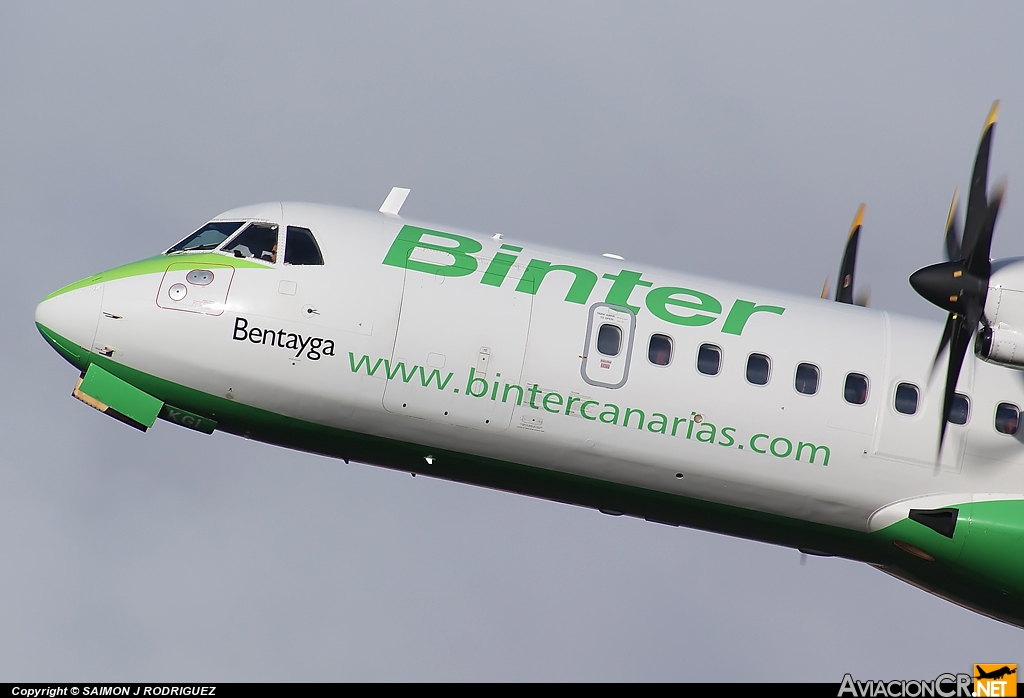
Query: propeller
{"points": [[953, 228], [960, 285], [844, 290]]}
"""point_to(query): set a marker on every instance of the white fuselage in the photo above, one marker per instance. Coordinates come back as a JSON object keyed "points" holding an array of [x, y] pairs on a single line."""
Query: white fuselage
{"points": [[735, 443]]}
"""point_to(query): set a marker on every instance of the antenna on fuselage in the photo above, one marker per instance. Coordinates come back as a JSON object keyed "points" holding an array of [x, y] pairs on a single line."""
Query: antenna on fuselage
{"points": [[393, 204]]}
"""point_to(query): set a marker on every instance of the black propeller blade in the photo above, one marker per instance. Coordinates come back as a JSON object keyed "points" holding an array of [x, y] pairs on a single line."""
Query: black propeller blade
{"points": [[977, 201], [953, 229], [960, 285], [844, 289]]}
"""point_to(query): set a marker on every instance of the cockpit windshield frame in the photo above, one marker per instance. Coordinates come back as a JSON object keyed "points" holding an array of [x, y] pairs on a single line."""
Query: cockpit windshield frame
{"points": [[223, 228], [232, 247], [236, 243]]}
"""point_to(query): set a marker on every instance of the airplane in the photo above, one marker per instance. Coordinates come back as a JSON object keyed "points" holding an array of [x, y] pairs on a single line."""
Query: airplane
{"points": [[995, 674], [592, 380]]}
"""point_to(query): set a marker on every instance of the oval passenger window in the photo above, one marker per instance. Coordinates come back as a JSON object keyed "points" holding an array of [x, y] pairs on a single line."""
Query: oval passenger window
{"points": [[1007, 418], [709, 359], [609, 339], [906, 399], [855, 391], [659, 351], [758, 369], [806, 381]]}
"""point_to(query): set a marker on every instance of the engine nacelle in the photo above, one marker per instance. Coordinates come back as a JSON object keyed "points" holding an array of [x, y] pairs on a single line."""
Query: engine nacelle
{"points": [[1000, 346], [1002, 341]]}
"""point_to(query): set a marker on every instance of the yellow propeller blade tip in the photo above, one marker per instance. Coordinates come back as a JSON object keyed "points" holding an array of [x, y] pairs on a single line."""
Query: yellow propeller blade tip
{"points": [[858, 219], [825, 289], [993, 114]]}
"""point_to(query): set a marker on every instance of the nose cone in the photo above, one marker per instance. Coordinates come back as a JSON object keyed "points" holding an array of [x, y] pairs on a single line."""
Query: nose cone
{"points": [[68, 322]]}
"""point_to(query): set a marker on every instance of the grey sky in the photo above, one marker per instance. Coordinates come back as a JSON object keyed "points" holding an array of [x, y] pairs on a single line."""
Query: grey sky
{"points": [[734, 140]]}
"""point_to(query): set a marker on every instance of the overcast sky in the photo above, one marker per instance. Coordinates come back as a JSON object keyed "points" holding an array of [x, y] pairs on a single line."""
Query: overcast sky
{"points": [[730, 139]]}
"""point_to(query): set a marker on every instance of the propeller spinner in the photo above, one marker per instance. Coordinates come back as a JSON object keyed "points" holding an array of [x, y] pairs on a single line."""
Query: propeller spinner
{"points": [[960, 285]]}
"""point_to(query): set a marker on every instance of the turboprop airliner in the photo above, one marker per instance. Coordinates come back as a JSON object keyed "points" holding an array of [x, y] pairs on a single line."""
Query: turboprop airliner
{"points": [[823, 426]]}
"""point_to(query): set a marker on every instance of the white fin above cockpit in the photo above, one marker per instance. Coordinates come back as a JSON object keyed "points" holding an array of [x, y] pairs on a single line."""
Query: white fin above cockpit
{"points": [[393, 204]]}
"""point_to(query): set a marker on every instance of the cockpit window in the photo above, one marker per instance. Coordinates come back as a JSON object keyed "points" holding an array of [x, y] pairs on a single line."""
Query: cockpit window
{"points": [[258, 241], [301, 247], [207, 238]]}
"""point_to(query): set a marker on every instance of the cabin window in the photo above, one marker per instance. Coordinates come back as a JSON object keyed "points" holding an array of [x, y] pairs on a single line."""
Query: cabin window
{"points": [[659, 350], [207, 238], [301, 248], [709, 359], [855, 390], [806, 379], [960, 410], [759, 368], [906, 398], [609, 340], [258, 241], [1007, 418]]}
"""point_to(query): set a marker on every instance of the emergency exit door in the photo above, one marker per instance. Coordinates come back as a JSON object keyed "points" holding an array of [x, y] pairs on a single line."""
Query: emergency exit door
{"points": [[609, 345]]}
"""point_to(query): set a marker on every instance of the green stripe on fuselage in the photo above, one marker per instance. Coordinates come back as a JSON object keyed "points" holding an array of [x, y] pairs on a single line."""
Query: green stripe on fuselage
{"points": [[71, 352], [960, 579], [251, 422], [158, 265]]}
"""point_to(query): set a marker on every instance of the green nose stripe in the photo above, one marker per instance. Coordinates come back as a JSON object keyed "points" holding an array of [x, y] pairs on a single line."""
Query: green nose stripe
{"points": [[71, 352], [158, 265]]}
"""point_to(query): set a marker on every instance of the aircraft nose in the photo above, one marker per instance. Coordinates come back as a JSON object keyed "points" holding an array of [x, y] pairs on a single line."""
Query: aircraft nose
{"points": [[68, 322]]}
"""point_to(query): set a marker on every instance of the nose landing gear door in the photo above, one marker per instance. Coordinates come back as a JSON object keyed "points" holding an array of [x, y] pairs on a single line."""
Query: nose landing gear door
{"points": [[609, 345]]}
